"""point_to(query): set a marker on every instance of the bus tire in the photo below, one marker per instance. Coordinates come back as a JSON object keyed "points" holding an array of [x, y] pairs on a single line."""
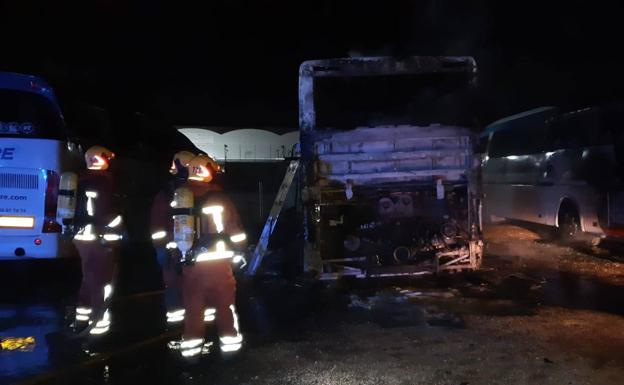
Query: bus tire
{"points": [[569, 222]]}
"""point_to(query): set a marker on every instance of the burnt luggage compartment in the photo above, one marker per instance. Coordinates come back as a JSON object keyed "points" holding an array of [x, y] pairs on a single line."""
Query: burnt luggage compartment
{"points": [[387, 199]]}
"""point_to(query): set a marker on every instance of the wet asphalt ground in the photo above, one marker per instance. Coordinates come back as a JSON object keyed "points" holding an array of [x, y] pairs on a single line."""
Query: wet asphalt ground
{"points": [[537, 313]]}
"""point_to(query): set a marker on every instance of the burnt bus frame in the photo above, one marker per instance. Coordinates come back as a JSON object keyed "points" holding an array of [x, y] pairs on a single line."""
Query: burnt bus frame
{"points": [[353, 67]]}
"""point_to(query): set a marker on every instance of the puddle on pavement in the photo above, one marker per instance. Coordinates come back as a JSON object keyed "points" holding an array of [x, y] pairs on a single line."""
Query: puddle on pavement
{"points": [[31, 323], [527, 289], [564, 289]]}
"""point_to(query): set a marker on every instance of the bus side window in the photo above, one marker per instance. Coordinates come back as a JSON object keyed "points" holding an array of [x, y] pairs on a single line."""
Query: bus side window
{"points": [[520, 140], [582, 129], [611, 126], [555, 135], [501, 144], [593, 131], [578, 130], [575, 134]]}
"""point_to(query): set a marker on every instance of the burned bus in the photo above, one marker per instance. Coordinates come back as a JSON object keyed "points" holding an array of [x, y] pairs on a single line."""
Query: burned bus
{"points": [[388, 167]]}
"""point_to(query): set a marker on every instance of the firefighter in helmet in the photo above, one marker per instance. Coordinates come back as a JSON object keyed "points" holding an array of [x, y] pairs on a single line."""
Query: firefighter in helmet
{"points": [[161, 226], [217, 239], [99, 226]]}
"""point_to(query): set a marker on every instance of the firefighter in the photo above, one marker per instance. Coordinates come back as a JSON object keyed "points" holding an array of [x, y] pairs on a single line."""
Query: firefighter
{"points": [[161, 225], [98, 225], [208, 280]]}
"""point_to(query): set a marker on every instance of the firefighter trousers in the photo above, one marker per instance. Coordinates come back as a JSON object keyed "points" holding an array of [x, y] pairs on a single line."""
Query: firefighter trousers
{"points": [[211, 284], [173, 286], [98, 264]]}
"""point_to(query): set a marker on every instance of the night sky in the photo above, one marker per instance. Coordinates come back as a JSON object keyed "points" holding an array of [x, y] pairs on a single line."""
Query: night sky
{"points": [[235, 63]]}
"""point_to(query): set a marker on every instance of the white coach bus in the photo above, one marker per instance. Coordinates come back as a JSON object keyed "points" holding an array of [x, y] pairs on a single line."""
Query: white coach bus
{"points": [[34, 151], [563, 170]]}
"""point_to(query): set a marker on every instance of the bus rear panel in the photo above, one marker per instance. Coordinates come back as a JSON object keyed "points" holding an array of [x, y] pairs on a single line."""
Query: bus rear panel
{"points": [[33, 154]]}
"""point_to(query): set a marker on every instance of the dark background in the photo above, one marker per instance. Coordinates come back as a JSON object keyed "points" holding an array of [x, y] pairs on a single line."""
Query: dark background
{"points": [[235, 62]]}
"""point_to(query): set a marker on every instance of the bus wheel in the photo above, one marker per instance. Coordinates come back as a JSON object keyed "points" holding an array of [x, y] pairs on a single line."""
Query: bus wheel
{"points": [[569, 224]]}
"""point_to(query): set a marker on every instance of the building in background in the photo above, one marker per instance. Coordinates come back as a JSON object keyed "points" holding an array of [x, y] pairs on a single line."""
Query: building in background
{"points": [[244, 144], [254, 163]]}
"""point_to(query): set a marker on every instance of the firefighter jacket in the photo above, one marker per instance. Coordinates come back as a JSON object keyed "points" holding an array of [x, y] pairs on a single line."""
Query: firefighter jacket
{"points": [[221, 233], [98, 207]]}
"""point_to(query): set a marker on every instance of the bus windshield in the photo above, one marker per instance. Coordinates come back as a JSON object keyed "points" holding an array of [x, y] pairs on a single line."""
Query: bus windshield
{"points": [[29, 115]]}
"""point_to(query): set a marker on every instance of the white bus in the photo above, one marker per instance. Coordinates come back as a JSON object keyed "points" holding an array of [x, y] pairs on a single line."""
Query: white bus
{"points": [[558, 169], [34, 151]]}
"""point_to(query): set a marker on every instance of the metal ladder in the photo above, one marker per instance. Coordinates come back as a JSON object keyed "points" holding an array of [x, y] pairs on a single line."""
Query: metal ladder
{"points": [[269, 225]]}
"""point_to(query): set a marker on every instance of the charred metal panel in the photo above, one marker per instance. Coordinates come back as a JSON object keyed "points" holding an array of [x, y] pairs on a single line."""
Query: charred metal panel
{"points": [[377, 66], [378, 154]]}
